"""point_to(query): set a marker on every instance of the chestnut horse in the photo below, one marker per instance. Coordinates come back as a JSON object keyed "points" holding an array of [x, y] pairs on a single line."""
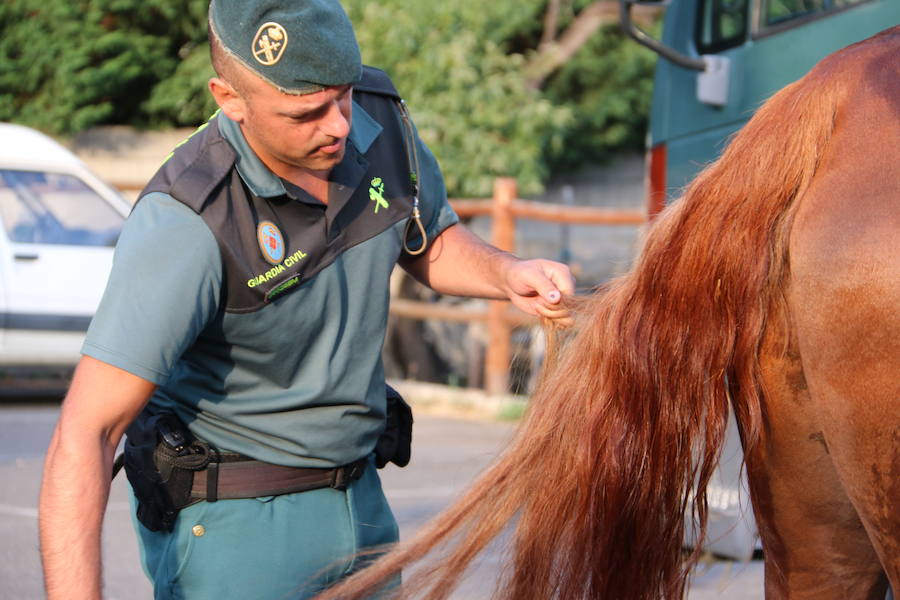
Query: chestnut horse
{"points": [[773, 285]]}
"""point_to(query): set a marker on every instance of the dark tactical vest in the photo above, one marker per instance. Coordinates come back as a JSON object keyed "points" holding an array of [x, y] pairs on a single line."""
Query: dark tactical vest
{"points": [[202, 175]]}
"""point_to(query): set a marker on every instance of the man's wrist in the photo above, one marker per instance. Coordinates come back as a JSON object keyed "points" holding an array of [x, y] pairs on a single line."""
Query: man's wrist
{"points": [[503, 263]]}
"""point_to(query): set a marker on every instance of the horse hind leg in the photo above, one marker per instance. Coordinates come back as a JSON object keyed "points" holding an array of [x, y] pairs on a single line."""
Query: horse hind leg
{"points": [[845, 302], [849, 334], [814, 544]]}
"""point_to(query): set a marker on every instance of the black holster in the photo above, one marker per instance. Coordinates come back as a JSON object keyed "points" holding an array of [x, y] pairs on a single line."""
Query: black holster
{"points": [[161, 457], [395, 444]]}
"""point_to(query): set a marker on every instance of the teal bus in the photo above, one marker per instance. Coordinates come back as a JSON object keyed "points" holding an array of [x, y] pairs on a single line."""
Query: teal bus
{"points": [[721, 59]]}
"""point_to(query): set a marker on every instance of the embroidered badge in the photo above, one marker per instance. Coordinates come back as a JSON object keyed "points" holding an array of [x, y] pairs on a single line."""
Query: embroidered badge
{"points": [[376, 194], [269, 43], [271, 242]]}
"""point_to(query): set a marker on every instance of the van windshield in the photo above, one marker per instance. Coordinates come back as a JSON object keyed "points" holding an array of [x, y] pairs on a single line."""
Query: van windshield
{"points": [[40, 207]]}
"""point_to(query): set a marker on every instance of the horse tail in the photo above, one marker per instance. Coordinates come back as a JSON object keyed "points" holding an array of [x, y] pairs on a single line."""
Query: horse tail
{"points": [[629, 424]]}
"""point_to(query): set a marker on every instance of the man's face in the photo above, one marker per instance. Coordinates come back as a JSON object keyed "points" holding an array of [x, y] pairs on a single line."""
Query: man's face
{"points": [[288, 132]]}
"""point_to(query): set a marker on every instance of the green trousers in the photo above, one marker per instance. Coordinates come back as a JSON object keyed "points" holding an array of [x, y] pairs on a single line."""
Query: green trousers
{"points": [[279, 547]]}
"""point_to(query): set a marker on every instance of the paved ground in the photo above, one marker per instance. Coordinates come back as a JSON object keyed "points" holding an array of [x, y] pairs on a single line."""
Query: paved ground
{"points": [[448, 453]]}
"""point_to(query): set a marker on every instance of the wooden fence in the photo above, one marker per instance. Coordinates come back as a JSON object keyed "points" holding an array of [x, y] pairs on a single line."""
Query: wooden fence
{"points": [[500, 316]]}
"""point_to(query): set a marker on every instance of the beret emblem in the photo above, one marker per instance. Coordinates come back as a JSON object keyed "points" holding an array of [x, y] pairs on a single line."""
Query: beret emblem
{"points": [[269, 43]]}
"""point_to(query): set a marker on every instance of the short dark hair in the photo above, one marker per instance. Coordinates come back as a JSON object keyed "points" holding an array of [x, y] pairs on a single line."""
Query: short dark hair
{"points": [[225, 65]]}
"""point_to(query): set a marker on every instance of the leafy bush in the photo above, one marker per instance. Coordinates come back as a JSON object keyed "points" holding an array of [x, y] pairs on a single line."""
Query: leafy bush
{"points": [[608, 86], [66, 65], [466, 92]]}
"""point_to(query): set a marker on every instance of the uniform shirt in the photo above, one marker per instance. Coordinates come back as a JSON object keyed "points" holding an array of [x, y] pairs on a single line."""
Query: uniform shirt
{"points": [[298, 382]]}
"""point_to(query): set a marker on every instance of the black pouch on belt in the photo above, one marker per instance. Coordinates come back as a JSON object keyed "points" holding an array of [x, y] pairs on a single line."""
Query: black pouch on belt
{"points": [[160, 459], [395, 444]]}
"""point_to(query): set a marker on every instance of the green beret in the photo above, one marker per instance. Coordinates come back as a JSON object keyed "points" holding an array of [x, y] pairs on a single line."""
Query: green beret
{"points": [[299, 46]]}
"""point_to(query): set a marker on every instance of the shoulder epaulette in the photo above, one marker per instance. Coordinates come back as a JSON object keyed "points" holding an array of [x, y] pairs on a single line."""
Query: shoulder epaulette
{"points": [[195, 168], [376, 81]]}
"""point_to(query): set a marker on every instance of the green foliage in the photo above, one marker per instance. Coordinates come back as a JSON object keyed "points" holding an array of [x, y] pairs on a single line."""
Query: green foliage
{"points": [[607, 85], [460, 65], [66, 65], [182, 98], [466, 93]]}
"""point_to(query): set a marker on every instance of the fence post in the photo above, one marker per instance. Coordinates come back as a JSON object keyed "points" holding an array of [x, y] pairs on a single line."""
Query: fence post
{"points": [[503, 236]]}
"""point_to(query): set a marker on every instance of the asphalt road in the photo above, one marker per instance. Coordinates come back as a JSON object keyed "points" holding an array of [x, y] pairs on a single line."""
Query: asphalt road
{"points": [[447, 454]]}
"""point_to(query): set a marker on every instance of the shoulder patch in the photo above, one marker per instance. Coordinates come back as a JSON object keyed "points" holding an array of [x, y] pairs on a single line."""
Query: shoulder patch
{"points": [[271, 242]]}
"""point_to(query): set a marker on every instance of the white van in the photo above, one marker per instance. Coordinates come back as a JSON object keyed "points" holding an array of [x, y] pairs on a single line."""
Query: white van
{"points": [[58, 226]]}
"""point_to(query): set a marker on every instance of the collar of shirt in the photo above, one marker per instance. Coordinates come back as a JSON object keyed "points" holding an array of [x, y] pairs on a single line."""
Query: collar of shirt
{"points": [[265, 184]]}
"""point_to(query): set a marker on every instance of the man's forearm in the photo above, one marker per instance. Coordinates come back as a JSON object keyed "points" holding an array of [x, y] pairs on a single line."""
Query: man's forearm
{"points": [[101, 402], [73, 498], [459, 263]]}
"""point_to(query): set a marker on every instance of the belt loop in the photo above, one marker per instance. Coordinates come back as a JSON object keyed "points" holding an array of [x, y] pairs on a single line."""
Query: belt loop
{"points": [[338, 479], [212, 481], [342, 477]]}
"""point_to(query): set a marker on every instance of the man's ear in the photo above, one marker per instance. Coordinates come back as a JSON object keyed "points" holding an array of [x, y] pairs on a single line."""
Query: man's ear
{"points": [[231, 103]]}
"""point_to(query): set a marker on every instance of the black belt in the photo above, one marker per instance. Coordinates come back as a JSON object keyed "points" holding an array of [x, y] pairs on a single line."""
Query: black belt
{"points": [[235, 476]]}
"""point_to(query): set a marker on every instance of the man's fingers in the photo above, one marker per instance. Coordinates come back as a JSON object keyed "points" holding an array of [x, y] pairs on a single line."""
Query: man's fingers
{"points": [[562, 277], [548, 279], [536, 306], [550, 312], [539, 281], [560, 314], [561, 318]]}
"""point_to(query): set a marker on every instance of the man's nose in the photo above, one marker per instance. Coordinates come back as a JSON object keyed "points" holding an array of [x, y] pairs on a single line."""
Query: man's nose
{"points": [[335, 123]]}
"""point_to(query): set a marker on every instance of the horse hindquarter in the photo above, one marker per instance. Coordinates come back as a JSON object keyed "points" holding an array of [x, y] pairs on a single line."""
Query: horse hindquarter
{"points": [[844, 300]]}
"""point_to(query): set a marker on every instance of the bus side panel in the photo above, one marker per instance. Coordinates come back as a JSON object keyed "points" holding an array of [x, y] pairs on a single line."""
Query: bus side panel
{"points": [[695, 132]]}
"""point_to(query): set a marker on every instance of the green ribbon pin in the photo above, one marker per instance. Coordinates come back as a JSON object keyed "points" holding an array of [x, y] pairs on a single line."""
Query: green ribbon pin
{"points": [[376, 194]]}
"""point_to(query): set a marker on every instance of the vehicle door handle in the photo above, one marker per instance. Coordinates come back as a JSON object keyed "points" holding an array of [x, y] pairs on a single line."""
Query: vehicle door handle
{"points": [[26, 256]]}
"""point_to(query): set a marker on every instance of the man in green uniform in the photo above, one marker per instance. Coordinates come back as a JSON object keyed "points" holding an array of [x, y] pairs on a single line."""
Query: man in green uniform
{"points": [[246, 312]]}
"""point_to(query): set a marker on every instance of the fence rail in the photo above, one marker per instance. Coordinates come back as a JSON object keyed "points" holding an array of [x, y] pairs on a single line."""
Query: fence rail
{"points": [[504, 208], [557, 213]]}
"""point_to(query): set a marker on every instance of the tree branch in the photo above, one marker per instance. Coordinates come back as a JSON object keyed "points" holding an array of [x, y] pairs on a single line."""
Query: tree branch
{"points": [[551, 23], [551, 55]]}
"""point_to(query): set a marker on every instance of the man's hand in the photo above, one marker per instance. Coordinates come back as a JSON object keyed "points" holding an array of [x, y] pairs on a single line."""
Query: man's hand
{"points": [[537, 287]]}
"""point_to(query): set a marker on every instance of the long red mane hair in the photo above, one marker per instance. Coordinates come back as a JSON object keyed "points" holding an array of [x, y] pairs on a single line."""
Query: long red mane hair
{"points": [[628, 424]]}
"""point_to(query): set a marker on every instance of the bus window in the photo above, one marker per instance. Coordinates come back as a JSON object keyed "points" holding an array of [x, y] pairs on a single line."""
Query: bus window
{"points": [[777, 12], [721, 24]]}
